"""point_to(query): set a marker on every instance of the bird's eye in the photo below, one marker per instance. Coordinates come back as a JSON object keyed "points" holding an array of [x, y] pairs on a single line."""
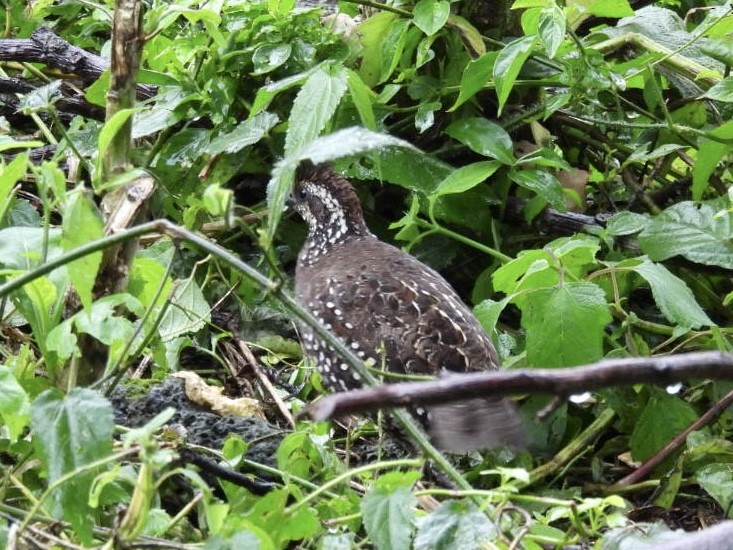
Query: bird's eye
{"points": [[302, 193]]}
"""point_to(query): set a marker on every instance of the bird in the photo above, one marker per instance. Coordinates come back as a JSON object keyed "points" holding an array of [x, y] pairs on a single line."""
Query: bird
{"points": [[387, 306]]}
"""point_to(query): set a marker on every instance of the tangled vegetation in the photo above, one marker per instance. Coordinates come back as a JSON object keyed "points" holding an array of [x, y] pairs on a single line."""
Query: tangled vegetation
{"points": [[565, 165]]}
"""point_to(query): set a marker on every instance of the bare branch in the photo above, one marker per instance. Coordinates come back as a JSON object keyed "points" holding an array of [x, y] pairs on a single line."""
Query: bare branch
{"points": [[565, 381]]}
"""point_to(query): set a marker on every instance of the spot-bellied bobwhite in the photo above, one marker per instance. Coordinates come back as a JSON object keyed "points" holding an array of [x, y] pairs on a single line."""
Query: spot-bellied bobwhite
{"points": [[387, 306]]}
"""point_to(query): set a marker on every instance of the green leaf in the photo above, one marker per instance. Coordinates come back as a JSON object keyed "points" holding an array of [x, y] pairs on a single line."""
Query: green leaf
{"points": [[455, 524], [543, 183], [508, 64], [717, 481], [488, 311], [247, 133], [188, 311], [70, 433], [389, 517], [609, 8], [471, 36], [673, 296], [392, 48], [565, 324], [626, 223], [363, 98], [722, 91], [711, 152], [15, 407], [268, 57], [9, 175], [484, 137], [663, 418], [466, 177], [551, 29], [474, 78], [81, 212], [431, 15], [698, 233], [374, 31], [109, 131], [314, 105]]}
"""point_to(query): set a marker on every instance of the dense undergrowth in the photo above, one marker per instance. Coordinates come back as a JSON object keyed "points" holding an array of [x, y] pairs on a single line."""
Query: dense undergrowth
{"points": [[567, 167]]}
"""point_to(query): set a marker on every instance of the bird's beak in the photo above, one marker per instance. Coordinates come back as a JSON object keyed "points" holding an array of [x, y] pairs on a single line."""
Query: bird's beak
{"points": [[289, 203]]}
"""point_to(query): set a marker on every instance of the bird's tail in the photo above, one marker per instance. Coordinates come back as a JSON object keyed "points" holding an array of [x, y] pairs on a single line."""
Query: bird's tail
{"points": [[476, 424]]}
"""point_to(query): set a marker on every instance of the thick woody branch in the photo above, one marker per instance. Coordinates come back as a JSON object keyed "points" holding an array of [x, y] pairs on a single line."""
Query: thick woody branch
{"points": [[456, 387]]}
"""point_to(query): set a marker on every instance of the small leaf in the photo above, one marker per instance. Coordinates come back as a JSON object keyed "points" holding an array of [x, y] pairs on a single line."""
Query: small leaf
{"points": [[508, 64], [696, 232], [484, 137], [551, 29], [389, 517], [392, 47], [363, 98], [81, 212], [626, 223], [466, 177], [71, 432], [455, 525], [431, 15], [565, 324], [188, 312], [543, 183], [15, 407], [474, 78], [268, 57], [373, 31], [247, 133], [314, 105], [673, 296], [722, 91]]}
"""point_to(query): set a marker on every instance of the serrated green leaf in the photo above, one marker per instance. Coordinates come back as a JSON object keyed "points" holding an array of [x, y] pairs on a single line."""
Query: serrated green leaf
{"points": [[551, 29], [508, 64], [673, 296], [15, 407], [71, 432], [663, 418], [474, 78], [484, 137], [455, 525], [247, 133], [389, 517], [314, 105], [565, 324], [80, 213], [466, 177], [699, 233], [544, 184], [431, 15]]}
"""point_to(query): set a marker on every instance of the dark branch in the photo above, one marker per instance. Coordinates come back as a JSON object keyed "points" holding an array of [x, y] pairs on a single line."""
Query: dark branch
{"points": [[565, 381]]}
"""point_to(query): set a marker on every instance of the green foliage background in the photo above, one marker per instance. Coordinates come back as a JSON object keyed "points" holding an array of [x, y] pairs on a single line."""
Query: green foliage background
{"points": [[469, 132]]}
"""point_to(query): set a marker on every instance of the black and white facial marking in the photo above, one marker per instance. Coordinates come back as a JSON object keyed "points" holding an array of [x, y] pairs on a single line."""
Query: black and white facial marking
{"points": [[330, 207]]}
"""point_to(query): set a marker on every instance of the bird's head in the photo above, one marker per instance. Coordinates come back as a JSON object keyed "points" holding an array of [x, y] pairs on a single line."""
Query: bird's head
{"points": [[328, 204]]}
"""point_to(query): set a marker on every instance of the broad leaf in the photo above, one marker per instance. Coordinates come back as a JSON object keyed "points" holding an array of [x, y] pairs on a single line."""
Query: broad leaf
{"points": [[70, 432], [314, 105], [710, 154], [699, 233], [551, 29], [389, 517], [673, 296], [455, 525], [188, 312], [717, 480], [431, 15], [484, 137], [82, 223], [247, 133], [663, 418], [15, 407], [508, 64], [565, 324], [543, 183], [474, 78], [466, 177]]}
